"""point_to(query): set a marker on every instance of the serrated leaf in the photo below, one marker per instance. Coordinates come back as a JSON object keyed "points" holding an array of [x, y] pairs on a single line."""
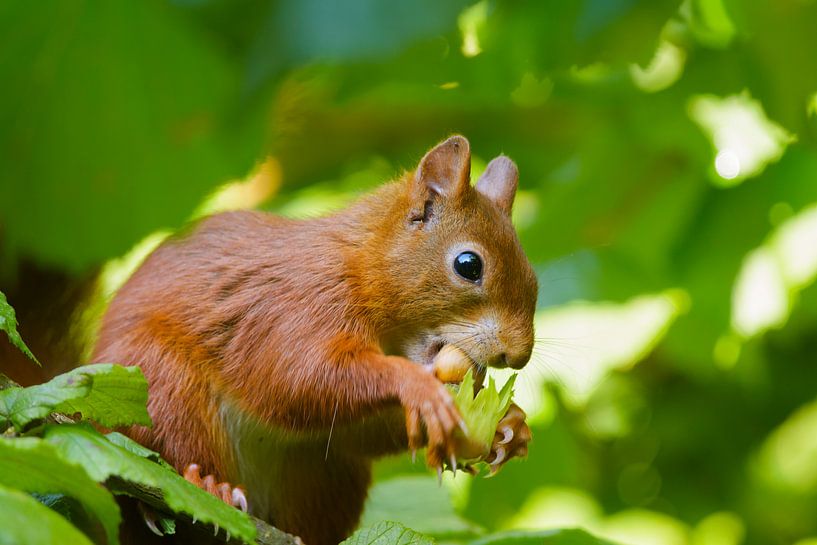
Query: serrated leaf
{"points": [[388, 533], [19, 406], [542, 537], [109, 394], [8, 323], [132, 446], [483, 412], [28, 521], [102, 459], [36, 466], [118, 396]]}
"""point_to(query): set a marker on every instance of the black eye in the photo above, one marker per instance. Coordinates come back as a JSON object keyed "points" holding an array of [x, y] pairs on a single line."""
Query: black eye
{"points": [[469, 266]]}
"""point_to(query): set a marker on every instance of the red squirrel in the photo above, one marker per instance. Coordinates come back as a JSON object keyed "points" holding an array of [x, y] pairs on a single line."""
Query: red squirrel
{"points": [[288, 354]]}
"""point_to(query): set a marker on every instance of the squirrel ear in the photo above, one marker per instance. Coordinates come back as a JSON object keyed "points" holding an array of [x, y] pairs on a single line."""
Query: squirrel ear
{"points": [[445, 172], [499, 182]]}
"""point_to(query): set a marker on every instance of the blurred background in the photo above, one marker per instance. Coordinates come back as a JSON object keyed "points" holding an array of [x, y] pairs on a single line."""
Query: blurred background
{"points": [[668, 200]]}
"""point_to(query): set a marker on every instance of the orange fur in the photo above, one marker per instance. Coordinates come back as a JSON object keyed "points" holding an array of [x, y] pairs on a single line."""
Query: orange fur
{"points": [[254, 327]]}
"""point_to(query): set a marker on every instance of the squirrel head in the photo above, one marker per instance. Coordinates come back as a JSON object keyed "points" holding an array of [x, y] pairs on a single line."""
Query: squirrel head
{"points": [[455, 270]]}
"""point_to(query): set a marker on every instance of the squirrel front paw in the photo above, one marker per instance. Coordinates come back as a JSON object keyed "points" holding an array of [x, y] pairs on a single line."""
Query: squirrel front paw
{"points": [[235, 496], [429, 404], [510, 440]]}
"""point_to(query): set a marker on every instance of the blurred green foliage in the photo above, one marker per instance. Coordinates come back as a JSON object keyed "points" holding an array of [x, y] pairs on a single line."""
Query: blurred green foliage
{"points": [[668, 188]]}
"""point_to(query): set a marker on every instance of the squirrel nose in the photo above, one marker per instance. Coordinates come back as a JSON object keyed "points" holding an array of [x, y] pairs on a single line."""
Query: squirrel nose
{"points": [[509, 359], [518, 358]]}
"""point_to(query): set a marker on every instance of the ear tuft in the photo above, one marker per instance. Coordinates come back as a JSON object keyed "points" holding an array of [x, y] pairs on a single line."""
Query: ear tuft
{"points": [[499, 182]]}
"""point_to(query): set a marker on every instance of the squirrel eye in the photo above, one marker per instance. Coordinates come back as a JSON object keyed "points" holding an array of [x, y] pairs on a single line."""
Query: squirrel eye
{"points": [[469, 266]]}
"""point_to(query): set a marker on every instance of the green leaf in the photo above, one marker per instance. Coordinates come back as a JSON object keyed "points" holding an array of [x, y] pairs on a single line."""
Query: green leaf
{"points": [[107, 393], [71, 509], [8, 323], [546, 537], [483, 412], [419, 503], [388, 533], [37, 467], [27, 521], [102, 459], [66, 506], [132, 446], [167, 525]]}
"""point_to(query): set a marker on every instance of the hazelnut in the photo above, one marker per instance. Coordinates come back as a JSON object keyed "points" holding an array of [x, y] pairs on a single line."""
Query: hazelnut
{"points": [[451, 364]]}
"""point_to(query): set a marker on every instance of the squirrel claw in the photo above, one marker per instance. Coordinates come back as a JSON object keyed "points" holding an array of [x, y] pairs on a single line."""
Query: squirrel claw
{"points": [[239, 499], [499, 456], [507, 433], [150, 517], [235, 496], [151, 524], [510, 440]]}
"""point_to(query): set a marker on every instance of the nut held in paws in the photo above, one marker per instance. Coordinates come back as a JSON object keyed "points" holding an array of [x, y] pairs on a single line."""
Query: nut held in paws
{"points": [[451, 364]]}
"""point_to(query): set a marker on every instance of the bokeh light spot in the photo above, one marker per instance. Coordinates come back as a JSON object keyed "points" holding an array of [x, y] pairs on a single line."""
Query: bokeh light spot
{"points": [[727, 351], [638, 484], [786, 458], [780, 212], [642, 527], [470, 21], [556, 507], [759, 299], [744, 139], [772, 275], [260, 186], [722, 528], [580, 343], [727, 164]]}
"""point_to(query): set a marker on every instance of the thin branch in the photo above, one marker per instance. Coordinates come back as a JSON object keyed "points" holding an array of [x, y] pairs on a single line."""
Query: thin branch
{"points": [[266, 534]]}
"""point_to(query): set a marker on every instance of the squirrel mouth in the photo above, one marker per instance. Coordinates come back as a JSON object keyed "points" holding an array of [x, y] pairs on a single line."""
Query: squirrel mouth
{"points": [[479, 370], [431, 353]]}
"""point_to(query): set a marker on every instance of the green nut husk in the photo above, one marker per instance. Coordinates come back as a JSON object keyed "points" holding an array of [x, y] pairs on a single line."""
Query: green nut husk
{"points": [[481, 413]]}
